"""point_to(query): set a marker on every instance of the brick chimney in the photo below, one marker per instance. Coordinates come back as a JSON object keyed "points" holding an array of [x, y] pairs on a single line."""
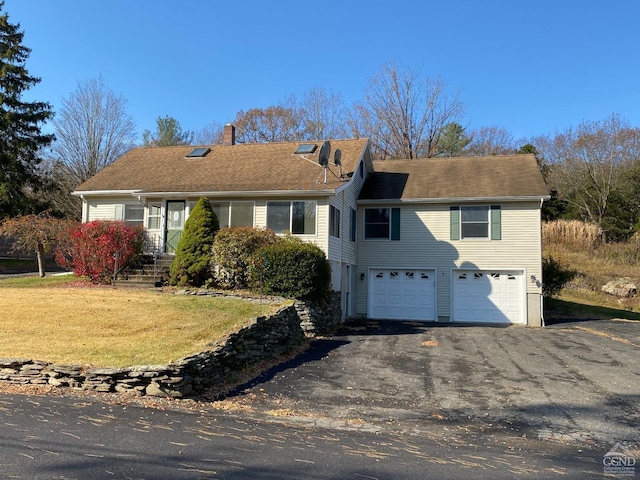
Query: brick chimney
{"points": [[229, 137]]}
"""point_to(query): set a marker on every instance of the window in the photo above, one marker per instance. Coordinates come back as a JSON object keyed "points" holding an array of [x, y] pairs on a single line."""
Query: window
{"points": [[299, 218], [241, 214], [376, 223], [234, 214], [221, 210], [134, 214], [382, 223], [353, 226], [199, 152], [476, 222], [154, 217], [334, 221], [306, 148]]}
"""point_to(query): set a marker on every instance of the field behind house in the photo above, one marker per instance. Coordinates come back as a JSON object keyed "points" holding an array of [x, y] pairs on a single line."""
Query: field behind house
{"points": [[579, 248], [55, 320]]}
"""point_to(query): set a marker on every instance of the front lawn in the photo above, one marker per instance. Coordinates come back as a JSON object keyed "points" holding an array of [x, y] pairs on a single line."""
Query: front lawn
{"points": [[63, 320]]}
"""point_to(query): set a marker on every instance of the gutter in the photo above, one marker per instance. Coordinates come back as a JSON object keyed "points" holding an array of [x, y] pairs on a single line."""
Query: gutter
{"points": [[217, 194], [82, 193], [246, 193], [387, 201]]}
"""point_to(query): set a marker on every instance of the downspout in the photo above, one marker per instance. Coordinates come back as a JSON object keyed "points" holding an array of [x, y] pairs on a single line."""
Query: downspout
{"points": [[348, 286], [85, 210], [542, 323]]}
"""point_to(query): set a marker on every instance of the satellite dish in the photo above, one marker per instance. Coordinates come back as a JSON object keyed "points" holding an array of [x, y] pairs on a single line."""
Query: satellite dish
{"points": [[323, 156], [337, 155]]}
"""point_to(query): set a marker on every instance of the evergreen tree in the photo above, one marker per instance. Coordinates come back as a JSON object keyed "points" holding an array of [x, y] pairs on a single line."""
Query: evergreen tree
{"points": [[193, 255], [452, 140], [168, 132], [20, 122]]}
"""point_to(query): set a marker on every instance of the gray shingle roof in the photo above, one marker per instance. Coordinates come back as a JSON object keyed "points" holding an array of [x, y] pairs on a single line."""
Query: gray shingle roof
{"points": [[232, 168], [455, 178]]}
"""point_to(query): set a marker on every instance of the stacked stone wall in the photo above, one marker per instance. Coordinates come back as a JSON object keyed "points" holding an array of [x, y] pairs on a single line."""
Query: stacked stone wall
{"points": [[265, 338]]}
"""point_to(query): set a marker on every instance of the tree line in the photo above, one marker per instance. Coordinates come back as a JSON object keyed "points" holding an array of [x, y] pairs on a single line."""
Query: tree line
{"points": [[593, 169]]}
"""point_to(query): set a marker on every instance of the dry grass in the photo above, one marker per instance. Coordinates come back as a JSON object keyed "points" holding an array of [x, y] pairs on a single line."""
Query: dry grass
{"points": [[104, 326], [596, 263], [572, 234]]}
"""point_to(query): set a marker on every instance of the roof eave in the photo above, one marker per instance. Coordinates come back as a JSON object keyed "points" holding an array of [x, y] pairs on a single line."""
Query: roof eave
{"points": [[239, 193], [104, 193], [521, 198]]}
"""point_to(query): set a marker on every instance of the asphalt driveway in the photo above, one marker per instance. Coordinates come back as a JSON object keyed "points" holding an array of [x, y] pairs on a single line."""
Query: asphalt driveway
{"points": [[573, 382]]}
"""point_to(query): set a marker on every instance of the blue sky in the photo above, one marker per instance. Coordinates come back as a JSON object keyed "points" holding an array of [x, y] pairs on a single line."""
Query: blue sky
{"points": [[531, 67]]}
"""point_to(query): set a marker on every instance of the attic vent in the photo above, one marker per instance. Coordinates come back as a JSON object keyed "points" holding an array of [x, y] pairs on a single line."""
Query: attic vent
{"points": [[306, 148], [199, 152]]}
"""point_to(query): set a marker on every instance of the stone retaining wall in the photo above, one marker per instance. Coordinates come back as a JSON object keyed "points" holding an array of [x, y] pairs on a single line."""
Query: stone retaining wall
{"points": [[320, 318], [264, 339]]}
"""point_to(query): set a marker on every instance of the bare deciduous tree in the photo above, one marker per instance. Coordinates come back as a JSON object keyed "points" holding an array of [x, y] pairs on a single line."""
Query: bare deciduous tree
{"points": [[277, 123], [491, 141], [589, 163], [210, 134], [324, 114], [403, 113], [92, 130]]}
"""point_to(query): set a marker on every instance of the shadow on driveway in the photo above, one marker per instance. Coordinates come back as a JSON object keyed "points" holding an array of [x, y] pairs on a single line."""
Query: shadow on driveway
{"points": [[561, 311], [574, 382]]}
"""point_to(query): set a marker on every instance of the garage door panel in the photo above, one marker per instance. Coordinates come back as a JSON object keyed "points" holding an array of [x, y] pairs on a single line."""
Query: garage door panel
{"points": [[403, 294], [488, 296]]}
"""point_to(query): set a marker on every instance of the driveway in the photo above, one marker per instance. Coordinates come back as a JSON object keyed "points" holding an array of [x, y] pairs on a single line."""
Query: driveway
{"points": [[573, 382]]}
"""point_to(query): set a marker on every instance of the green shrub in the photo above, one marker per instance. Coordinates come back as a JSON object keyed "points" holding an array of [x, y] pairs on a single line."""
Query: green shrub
{"points": [[293, 269], [233, 249], [555, 276], [193, 255]]}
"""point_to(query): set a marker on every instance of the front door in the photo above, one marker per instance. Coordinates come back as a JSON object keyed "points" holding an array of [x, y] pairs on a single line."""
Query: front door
{"points": [[175, 224]]}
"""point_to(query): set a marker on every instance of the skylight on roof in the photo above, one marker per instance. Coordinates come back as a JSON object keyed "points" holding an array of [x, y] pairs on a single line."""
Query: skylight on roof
{"points": [[199, 152], [306, 148]]}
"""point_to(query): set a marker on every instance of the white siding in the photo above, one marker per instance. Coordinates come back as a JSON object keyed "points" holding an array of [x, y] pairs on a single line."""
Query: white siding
{"points": [[425, 242], [342, 252], [260, 214], [343, 249], [107, 208], [321, 238]]}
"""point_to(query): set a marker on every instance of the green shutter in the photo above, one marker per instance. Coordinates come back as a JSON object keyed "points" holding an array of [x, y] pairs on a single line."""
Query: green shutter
{"points": [[496, 222], [353, 226], [395, 224], [455, 222]]}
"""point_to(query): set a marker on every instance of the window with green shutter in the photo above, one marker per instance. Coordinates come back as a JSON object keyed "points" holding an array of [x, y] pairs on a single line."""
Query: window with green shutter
{"points": [[382, 223], [353, 226], [475, 222]]}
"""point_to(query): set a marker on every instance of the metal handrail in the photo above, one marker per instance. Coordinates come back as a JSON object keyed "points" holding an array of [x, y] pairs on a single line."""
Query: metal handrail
{"points": [[118, 254], [156, 253]]}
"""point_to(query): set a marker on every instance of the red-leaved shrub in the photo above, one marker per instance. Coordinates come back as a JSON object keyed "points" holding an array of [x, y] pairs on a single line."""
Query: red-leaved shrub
{"points": [[89, 249]]}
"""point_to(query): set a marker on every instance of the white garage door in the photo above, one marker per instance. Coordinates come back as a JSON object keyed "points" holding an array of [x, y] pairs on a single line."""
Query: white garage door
{"points": [[488, 296], [402, 294]]}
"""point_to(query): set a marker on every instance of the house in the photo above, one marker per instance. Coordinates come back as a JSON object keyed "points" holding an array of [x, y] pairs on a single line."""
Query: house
{"points": [[446, 239], [452, 239]]}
